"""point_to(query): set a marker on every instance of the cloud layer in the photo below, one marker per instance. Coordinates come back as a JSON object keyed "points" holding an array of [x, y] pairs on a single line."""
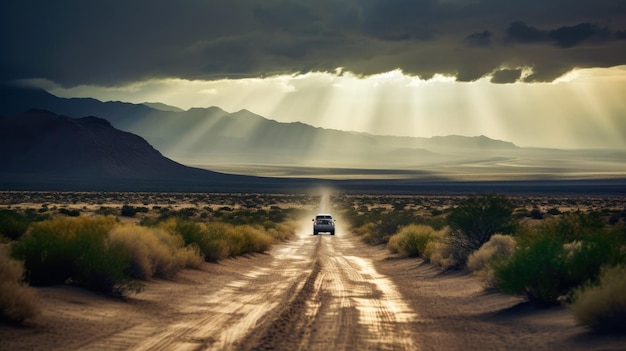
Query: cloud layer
{"points": [[76, 42]]}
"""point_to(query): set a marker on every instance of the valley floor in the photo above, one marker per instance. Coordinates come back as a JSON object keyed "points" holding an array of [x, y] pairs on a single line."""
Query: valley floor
{"points": [[311, 293]]}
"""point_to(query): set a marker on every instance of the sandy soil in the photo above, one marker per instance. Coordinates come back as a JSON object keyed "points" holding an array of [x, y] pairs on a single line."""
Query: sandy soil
{"points": [[313, 293]]}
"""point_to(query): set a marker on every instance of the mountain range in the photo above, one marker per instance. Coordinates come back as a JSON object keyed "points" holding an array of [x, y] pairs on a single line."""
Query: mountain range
{"points": [[45, 151], [243, 142]]}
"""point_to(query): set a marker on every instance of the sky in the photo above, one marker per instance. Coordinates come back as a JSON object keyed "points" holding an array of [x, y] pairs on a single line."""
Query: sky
{"points": [[545, 73]]}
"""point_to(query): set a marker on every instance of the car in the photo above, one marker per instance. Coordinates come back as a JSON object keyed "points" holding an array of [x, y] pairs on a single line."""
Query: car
{"points": [[323, 223]]}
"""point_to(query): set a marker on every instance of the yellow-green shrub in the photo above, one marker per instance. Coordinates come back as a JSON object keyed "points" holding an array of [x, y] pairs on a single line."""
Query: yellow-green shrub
{"points": [[411, 240], [480, 262], [217, 240], [18, 302], [154, 251], [602, 307], [56, 250], [281, 231], [247, 239], [439, 252]]}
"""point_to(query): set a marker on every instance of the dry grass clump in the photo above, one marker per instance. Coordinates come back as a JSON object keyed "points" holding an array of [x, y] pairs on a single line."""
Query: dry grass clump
{"points": [[439, 251], [603, 307], [282, 231], [247, 239], [154, 252], [18, 302], [480, 262], [70, 248], [411, 240], [219, 240]]}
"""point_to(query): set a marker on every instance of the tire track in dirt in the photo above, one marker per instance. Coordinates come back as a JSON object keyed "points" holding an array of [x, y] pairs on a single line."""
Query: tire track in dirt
{"points": [[344, 305], [222, 319]]}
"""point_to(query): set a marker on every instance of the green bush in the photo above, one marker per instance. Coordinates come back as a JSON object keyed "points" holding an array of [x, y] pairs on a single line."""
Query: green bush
{"points": [[570, 227], [438, 250], [499, 248], [411, 240], [546, 269], [18, 302], [217, 240], [14, 224], [211, 240], [153, 251], [602, 307], [128, 211], [538, 270], [476, 219], [69, 212], [76, 250]]}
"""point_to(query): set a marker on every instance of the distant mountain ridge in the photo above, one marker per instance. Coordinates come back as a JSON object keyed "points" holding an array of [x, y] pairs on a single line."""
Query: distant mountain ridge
{"points": [[239, 142], [42, 142], [212, 135], [44, 151]]}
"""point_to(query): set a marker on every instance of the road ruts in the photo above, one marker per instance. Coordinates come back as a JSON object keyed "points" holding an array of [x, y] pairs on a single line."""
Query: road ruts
{"points": [[348, 306]]}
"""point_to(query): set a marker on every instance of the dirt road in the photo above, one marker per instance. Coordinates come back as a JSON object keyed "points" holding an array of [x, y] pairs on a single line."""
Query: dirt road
{"points": [[313, 293]]}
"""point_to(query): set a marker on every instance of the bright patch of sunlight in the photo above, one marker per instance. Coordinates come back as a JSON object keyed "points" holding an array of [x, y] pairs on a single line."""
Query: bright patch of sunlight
{"points": [[583, 109]]}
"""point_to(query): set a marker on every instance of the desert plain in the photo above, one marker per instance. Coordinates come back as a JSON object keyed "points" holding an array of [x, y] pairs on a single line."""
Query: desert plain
{"points": [[307, 293]]}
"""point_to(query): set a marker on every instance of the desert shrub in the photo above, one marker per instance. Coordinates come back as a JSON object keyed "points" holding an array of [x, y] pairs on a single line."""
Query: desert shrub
{"points": [[481, 262], [106, 211], [537, 270], [154, 252], [536, 213], [567, 228], [388, 225], [128, 211], [554, 211], [594, 250], [105, 266], [476, 219], [216, 245], [18, 302], [76, 250], [246, 239], [546, 269], [602, 307], [281, 231], [69, 212], [14, 224], [210, 239], [439, 252], [51, 249], [364, 230], [411, 240]]}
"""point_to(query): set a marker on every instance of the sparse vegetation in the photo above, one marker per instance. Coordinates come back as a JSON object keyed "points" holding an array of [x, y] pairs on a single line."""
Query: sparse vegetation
{"points": [[104, 255], [411, 240], [218, 240], [475, 220], [481, 262], [559, 256], [602, 307], [75, 250], [18, 302], [153, 251], [14, 224], [562, 243]]}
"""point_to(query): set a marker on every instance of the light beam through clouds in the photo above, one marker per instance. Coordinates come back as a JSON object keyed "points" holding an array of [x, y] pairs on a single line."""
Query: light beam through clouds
{"points": [[584, 109]]}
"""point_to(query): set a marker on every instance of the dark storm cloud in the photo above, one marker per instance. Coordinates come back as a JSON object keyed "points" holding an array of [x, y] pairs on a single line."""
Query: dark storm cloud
{"points": [[506, 76], [565, 37], [478, 39], [112, 42]]}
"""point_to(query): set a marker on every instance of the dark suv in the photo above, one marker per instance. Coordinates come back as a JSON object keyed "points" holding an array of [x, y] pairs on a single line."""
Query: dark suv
{"points": [[323, 223]]}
